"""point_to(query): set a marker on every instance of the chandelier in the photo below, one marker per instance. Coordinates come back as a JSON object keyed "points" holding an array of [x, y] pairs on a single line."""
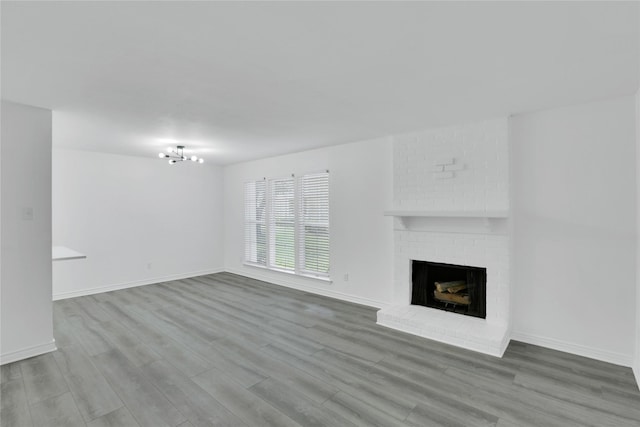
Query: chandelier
{"points": [[176, 155]]}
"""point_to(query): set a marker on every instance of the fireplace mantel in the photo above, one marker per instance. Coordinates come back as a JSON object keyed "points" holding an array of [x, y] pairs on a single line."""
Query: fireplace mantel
{"points": [[447, 214], [474, 222]]}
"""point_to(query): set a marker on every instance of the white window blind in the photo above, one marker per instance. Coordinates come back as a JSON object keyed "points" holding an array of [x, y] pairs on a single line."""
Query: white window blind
{"points": [[282, 224], [313, 234], [287, 224], [255, 222]]}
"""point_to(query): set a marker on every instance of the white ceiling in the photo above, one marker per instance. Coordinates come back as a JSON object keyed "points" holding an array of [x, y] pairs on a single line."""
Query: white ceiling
{"points": [[238, 81]]}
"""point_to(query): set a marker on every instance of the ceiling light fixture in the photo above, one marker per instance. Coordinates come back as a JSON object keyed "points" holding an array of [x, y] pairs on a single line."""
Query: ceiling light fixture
{"points": [[176, 155]]}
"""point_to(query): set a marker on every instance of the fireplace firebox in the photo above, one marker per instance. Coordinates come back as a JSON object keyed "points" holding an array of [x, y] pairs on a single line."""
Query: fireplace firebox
{"points": [[456, 288]]}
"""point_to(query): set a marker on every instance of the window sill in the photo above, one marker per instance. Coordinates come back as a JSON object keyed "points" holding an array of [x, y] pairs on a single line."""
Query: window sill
{"points": [[325, 279]]}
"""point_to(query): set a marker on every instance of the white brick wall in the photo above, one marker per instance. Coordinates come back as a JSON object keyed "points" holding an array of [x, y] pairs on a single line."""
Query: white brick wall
{"points": [[477, 250], [491, 251], [476, 155], [480, 169]]}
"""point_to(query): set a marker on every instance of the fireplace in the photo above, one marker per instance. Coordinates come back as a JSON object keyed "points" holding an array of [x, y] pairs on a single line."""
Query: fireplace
{"points": [[456, 288], [450, 218]]}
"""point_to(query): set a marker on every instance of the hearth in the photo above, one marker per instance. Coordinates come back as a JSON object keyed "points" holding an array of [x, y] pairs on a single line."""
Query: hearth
{"points": [[456, 288]]}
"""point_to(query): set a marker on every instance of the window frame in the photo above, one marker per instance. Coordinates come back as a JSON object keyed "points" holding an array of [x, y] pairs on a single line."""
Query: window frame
{"points": [[272, 224], [255, 223], [320, 224], [297, 224]]}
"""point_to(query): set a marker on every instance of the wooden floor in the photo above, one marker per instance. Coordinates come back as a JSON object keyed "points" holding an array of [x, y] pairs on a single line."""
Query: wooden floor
{"points": [[226, 350]]}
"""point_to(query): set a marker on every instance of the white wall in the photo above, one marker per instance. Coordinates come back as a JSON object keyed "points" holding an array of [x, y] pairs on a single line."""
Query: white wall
{"points": [[361, 236], [25, 251], [575, 218], [138, 220], [637, 358]]}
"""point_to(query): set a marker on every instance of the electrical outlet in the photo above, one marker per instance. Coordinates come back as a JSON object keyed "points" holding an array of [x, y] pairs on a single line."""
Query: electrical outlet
{"points": [[27, 213], [148, 266], [346, 277]]}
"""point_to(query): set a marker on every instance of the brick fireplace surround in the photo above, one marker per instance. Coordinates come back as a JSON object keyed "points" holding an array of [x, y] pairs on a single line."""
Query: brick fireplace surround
{"points": [[451, 206]]}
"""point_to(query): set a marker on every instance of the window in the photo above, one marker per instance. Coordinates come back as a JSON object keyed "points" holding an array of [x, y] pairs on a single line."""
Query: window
{"points": [[282, 224], [255, 222], [314, 224], [287, 224]]}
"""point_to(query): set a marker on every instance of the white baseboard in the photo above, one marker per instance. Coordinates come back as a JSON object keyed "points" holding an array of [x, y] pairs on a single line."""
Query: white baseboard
{"points": [[577, 349], [636, 368], [117, 286], [301, 286], [25, 353]]}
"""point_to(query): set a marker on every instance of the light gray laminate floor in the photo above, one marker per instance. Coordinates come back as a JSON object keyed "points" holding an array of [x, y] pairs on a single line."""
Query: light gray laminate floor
{"points": [[226, 350]]}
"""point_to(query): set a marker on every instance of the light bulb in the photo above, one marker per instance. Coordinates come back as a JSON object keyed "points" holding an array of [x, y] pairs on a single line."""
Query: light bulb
{"points": [[194, 158], [162, 155], [171, 161], [200, 160], [169, 150]]}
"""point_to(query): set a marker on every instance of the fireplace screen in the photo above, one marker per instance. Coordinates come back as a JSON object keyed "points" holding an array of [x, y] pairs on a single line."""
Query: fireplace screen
{"points": [[457, 288]]}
